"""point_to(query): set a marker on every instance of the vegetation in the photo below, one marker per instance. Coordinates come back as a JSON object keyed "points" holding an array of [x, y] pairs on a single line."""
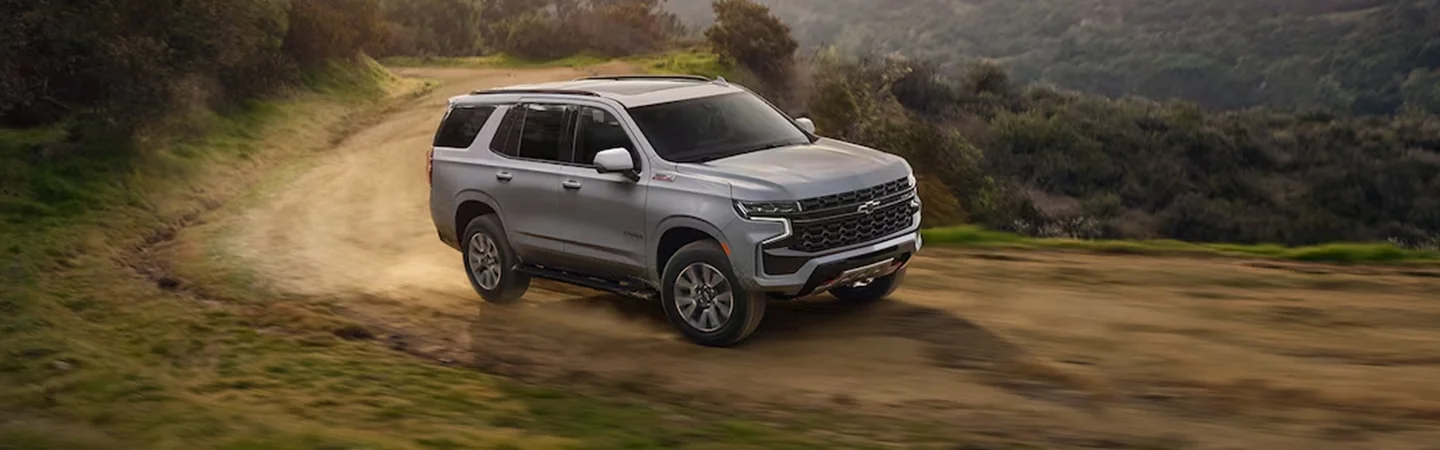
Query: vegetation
{"points": [[696, 61], [528, 29], [120, 64], [1362, 56], [745, 33], [1046, 162]]}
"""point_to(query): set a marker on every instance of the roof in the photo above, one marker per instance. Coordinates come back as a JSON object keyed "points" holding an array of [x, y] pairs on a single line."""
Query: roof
{"points": [[631, 91]]}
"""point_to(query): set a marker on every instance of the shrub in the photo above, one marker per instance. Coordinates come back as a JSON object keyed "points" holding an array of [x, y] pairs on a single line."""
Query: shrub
{"points": [[434, 27], [325, 29], [746, 33]]}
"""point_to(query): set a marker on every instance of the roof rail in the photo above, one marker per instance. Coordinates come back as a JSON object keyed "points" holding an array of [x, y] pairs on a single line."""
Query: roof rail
{"points": [[644, 77], [535, 91]]}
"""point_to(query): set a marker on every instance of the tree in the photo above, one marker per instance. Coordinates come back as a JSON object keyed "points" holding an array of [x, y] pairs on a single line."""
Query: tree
{"points": [[747, 34]]}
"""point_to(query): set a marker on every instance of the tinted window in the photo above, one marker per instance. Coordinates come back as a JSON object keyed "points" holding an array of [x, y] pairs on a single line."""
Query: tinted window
{"points": [[598, 130], [461, 125], [540, 136], [711, 128], [507, 140]]}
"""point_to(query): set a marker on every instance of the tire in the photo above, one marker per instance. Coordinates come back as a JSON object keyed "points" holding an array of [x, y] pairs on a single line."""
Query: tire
{"points": [[746, 308], [511, 284], [875, 291]]}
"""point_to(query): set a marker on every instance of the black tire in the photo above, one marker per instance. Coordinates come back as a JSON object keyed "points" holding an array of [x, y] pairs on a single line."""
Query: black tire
{"points": [[747, 308], [875, 291], [511, 284]]}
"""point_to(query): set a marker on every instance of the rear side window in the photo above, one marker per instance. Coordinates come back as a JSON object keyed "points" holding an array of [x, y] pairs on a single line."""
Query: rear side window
{"points": [[459, 128], [507, 140]]}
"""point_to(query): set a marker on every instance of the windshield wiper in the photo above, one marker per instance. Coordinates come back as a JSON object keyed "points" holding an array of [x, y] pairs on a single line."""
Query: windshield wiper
{"points": [[776, 144], [700, 159]]}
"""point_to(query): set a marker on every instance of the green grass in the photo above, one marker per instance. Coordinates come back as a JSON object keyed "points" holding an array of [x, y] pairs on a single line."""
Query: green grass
{"points": [[52, 175], [1342, 253], [685, 62], [682, 61], [493, 61]]}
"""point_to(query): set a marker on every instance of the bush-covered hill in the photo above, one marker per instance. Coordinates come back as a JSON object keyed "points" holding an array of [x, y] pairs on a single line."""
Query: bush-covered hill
{"points": [[1043, 161], [1365, 56]]}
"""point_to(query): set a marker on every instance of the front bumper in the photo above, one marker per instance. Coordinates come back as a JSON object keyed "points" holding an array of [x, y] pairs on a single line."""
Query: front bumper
{"points": [[823, 272]]}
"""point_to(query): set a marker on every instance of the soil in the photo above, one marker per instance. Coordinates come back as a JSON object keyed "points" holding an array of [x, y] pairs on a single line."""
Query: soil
{"points": [[1057, 349]]}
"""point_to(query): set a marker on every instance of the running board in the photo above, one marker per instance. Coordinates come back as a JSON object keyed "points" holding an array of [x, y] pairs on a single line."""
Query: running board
{"points": [[600, 284]]}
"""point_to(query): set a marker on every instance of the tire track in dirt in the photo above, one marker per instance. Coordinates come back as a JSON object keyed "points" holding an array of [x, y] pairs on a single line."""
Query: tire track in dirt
{"points": [[1001, 346]]}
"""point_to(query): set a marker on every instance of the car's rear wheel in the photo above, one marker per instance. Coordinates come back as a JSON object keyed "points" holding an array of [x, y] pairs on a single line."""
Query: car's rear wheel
{"points": [[704, 300], [490, 262], [873, 291]]}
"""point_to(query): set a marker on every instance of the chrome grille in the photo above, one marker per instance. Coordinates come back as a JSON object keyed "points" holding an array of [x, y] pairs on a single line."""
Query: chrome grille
{"points": [[852, 218]]}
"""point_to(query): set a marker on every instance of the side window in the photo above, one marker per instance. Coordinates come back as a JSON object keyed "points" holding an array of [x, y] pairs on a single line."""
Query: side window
{"points": [[598, 130], [542, 132], [459, 128], [507, 140]]}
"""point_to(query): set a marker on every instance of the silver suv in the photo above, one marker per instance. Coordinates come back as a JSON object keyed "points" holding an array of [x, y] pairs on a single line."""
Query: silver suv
{"points": [[694, 192]]}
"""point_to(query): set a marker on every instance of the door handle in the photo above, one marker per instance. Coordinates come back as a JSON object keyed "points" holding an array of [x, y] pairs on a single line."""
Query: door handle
{"points": [[571, 184], [504, 176]]}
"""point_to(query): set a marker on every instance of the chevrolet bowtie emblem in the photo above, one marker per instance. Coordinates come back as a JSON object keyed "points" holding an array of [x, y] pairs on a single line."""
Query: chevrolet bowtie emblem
{"points": [[868, 207]]}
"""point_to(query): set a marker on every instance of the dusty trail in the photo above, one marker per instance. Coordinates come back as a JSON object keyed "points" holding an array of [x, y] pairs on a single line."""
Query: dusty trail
{"points": [[1064, 349]]}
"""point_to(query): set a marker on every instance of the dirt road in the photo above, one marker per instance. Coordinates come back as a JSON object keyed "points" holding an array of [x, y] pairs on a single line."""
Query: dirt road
{"points": [[1059, 349]]}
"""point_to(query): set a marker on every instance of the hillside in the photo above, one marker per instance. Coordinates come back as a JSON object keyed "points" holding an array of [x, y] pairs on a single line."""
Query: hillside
{"points": [[1365, 56]]}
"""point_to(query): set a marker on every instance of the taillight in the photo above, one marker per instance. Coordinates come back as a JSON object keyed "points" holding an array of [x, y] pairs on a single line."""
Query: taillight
{"points": [[430, 167]]}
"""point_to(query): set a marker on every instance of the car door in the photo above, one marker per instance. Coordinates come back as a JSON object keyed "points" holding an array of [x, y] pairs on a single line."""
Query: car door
{"points": [[532, 147], [605, 212]]}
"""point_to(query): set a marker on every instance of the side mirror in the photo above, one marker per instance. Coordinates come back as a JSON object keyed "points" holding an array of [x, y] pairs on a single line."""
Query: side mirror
{"points": [[806, 124], [614, 160]]}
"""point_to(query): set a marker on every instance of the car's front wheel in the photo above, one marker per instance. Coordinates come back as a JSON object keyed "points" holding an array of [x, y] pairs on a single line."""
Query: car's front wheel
{"points": [[873, 291], [490, 262], [703, 299]]}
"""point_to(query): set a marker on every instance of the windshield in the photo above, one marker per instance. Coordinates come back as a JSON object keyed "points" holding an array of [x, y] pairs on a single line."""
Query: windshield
{"points": [[710, 128]]}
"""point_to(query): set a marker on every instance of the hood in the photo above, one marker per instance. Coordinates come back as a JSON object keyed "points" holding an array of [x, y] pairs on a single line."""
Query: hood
{"points": [[802, 171]]}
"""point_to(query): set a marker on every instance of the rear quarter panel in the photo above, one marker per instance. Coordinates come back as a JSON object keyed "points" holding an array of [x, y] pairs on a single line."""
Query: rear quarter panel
{"points": [[456, 178]]}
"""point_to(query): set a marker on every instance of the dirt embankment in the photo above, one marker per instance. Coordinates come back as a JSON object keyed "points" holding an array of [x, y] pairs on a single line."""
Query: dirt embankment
{"points": [[1060, 349]]}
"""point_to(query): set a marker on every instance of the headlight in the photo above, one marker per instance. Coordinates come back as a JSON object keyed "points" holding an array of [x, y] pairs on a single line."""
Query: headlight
{"points": [[766, 209]]}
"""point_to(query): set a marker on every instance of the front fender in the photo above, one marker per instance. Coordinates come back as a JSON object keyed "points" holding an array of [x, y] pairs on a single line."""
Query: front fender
{"points": [[671, 223]]}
